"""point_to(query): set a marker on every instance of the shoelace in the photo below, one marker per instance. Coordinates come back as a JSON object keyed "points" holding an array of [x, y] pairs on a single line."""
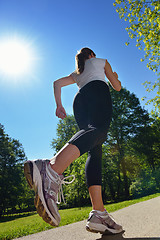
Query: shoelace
{"points": [[60, 195], [60, 181]]}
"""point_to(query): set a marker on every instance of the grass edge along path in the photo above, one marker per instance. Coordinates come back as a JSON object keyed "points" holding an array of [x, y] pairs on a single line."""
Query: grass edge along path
{"points": [[33, 224]]}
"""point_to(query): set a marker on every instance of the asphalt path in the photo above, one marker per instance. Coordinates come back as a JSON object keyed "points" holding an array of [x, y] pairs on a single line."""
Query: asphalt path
{"points": [[141, 221]]}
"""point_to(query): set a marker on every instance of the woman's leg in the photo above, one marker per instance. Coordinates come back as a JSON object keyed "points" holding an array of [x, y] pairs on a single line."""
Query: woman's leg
{"points": [[95, 193], [93, 170], [94, 177], [64, 158]]}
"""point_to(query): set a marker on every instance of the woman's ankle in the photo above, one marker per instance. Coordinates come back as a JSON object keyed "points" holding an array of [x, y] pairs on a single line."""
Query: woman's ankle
{"points": [[100, 209], [53, 167]]}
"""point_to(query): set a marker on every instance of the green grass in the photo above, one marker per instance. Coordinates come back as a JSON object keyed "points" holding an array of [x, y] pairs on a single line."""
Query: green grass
{"points": [[24, 225]]}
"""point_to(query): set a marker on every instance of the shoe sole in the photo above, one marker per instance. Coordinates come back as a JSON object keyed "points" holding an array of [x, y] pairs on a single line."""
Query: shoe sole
{"points": [[31, 169], [41, 211], [96, 231], [106, 232]]}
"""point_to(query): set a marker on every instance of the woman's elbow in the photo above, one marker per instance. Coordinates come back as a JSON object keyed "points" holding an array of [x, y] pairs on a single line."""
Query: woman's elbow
{"points": [[118, 87], [55, 84]]}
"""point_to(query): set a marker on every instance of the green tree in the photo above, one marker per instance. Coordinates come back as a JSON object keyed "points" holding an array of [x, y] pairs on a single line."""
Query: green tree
{"points": [[143, 18], [147, 149], [11, 157], [127, 121], [145, 183], [149, 136]]}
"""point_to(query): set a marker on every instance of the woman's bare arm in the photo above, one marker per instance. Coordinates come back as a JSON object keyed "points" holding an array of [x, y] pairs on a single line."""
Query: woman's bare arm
{"points": [[57, 85], [112, 77]]}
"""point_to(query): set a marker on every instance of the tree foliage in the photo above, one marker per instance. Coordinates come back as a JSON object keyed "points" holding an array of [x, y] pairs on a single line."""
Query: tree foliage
{"points": [[149, 136], [127, 121], [12, 184], [143, 18]]}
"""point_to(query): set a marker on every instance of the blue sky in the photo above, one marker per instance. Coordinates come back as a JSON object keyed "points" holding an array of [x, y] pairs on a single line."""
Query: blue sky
{"points": [[55, 30]]}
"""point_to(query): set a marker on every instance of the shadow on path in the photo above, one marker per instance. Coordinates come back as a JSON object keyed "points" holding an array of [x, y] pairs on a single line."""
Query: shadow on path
{"points": [[121, 237]]}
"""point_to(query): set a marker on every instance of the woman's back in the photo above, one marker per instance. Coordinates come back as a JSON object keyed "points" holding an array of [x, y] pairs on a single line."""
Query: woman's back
{"points": [[93, 70]]}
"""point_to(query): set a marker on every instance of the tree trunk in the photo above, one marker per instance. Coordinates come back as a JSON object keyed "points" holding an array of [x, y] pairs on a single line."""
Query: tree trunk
{"points": [[126, 187], [119, 184]]}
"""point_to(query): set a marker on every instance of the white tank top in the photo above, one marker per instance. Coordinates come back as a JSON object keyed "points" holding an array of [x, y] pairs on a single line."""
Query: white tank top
{"points": [[93, 70]]}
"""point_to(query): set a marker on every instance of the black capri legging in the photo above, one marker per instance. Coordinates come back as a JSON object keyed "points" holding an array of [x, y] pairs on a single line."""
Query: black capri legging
{"points": [[92, 110]]}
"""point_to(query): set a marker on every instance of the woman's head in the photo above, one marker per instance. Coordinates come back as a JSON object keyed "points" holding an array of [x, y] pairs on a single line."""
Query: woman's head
{"points": [[82, 55]]}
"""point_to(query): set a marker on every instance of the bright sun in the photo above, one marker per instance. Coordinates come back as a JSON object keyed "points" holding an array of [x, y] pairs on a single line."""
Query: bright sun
{"points": [[15, 57]]}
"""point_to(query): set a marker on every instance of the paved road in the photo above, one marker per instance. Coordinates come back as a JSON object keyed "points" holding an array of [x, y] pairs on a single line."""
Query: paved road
{"points": [[141, 222]]}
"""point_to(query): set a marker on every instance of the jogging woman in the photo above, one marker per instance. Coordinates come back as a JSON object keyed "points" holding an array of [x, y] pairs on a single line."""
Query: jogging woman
{"points": [[92, 110]]}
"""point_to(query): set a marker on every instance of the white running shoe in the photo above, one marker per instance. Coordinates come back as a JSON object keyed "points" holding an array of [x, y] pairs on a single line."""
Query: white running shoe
{"points": [[47, 185], [103, 223]]}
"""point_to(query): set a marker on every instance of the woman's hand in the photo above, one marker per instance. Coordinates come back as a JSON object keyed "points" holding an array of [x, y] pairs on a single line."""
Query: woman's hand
{"points": [[60, 112]]}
